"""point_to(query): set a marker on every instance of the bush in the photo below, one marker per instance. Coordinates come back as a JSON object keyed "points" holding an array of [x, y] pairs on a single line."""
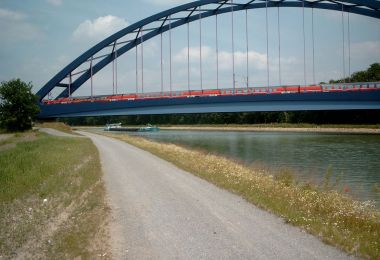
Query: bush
{"points": [[18, 105]]}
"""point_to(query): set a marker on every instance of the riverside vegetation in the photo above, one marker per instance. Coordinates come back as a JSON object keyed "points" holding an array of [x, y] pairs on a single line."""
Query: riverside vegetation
{"points": [[330, 215], [52, 199]]}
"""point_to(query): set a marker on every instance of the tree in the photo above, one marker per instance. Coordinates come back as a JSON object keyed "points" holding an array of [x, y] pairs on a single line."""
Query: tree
{"points": [[18, 105], [372, 74]]}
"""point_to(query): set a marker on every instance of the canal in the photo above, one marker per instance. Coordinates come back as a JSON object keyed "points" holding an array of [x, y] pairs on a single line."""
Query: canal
{"points": [[352, 158]]}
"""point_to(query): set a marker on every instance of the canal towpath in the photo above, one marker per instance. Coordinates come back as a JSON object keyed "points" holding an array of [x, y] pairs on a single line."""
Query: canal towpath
{"points": [[162, 212]]}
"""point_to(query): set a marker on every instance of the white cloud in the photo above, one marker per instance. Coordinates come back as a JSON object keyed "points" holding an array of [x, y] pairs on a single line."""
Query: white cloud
{"points": [[99, 28], [11, 15], [54, 2], [365, 50], [257, 60], [194, 53], [15, 27]]}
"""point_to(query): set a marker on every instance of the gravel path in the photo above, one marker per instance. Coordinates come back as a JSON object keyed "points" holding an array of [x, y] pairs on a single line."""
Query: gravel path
{"points": [[162, 212]]}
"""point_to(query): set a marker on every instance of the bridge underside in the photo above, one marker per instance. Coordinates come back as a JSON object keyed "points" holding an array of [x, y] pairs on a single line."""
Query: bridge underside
{"points": [[247, 103]]}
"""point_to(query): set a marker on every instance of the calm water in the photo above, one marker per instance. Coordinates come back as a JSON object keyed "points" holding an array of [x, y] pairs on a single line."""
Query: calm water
{"points": [[355, 157]]}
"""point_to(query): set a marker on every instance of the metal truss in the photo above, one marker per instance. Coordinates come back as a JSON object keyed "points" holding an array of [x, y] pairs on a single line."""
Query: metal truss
{"points": [[73, 76]]}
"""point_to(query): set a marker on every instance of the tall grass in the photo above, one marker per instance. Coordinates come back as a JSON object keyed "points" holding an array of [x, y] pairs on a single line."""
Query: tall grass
{"points": [[50, 190], [333, 217], [56, 125]]}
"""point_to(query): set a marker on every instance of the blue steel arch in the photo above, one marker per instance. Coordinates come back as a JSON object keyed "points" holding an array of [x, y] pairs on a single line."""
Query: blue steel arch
{"points": [[186, 14]]}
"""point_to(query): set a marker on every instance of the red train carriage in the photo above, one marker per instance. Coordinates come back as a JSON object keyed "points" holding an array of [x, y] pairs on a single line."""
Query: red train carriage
{"points": [[223, 92]]}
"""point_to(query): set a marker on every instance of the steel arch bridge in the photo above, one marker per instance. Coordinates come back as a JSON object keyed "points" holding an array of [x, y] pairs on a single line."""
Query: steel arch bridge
{"points": [[136, 34]]}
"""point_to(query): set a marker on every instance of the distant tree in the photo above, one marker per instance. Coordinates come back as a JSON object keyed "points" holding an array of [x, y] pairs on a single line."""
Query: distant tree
{"points": [[18, 105], [372, 74]]}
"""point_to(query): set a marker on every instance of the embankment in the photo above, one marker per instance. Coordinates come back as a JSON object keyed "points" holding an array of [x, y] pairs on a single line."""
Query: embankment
{"points": [[52, 198], [281, 128], [333, 217]]}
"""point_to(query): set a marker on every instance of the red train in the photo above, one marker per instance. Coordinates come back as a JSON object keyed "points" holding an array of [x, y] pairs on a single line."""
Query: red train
{"points": [[223, 92]]}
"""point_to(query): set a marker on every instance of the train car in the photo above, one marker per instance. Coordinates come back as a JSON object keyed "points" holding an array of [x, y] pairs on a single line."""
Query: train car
{"points": [[129, 97], [200, 93], [261, 91], [338, 87], [370, 86], [227, 92], [114, 98], [291, 89], [310, 89]]}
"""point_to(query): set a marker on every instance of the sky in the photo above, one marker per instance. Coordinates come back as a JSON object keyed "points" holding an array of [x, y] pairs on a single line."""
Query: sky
{"points": [[40, 37]]}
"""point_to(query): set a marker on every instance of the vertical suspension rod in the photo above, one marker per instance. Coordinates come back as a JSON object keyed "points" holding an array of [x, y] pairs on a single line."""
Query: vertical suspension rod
{"points": [[142, 60], [113, 76], [313, 39], [233, 46], [343, 45], [91, 73], [162, 68], [349, 47], [200, 48], [137, 71], [304, 43], [247, 41], [70, 82], [170, 54], [266, 24], [188, 56], [217, 51], [116, 86], [279, 45]]}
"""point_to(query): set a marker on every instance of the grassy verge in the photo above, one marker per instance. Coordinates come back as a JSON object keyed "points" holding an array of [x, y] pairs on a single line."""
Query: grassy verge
{"points": [[338, 220], [52, 200], [56, 125]]}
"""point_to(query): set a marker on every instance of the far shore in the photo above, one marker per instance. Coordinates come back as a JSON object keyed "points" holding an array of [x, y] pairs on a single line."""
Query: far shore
{"points": [[276, 129], [350, 129]]}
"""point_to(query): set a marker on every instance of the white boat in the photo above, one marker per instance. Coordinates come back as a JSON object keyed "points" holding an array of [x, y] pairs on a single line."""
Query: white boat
{"points": [[149, 128], [110, 127]]}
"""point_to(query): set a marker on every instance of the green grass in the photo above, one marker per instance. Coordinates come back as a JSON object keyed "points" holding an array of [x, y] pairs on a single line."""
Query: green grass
{"points": [[333, 217], [48, 186], [56, 125]]}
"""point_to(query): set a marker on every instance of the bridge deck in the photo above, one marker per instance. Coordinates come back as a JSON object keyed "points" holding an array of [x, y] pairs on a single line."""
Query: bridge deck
{"points": [[208, 104]]}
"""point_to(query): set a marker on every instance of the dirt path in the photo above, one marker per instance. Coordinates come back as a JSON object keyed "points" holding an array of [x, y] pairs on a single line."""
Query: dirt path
{"points": [[162, 212], [54, 132]]}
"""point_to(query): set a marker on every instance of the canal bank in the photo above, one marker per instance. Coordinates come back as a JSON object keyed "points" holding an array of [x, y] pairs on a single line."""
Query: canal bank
{"points": [[336, 219], [350, 161], [52, 198], [373, 129], [161, 211]]}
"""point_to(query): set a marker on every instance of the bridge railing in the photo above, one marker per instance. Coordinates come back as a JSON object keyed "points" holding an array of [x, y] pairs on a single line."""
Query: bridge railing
{"points": [[293, 89]]}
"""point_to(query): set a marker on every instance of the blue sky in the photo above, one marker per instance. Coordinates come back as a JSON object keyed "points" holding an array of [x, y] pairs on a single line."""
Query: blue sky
{"points": [[40, 37]]}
